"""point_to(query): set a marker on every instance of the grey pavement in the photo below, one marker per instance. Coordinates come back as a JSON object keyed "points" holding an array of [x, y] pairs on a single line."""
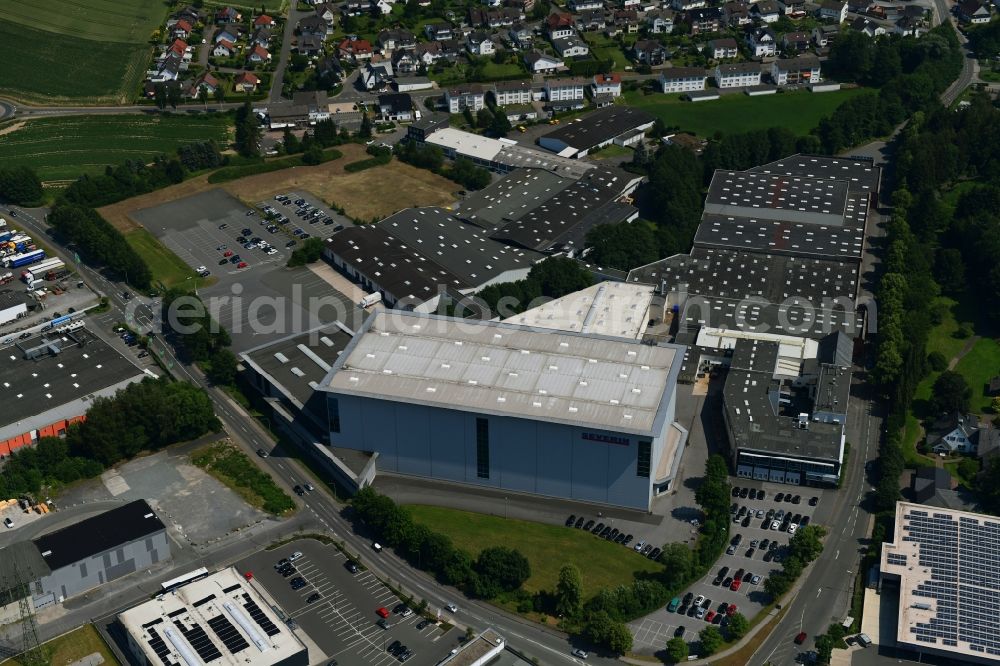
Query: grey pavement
{"points": [[278, 79]]}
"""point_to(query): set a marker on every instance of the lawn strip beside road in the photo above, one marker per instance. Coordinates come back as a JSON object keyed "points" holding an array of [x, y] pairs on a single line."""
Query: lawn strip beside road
{"points": [[227, 463], [547, 547], [168, 269], [73, 647], [798, 111]]}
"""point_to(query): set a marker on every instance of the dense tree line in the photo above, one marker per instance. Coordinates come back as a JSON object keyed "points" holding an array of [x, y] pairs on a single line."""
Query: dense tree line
{"points": [[804, 547], [324, 135], [20, 185], [985, 40], [622, 246], [200, 155], [141, 417], [248, 131], [461, 170], [99, 242], [308, 253], [551, 278], [497, 570], [188, 322]]}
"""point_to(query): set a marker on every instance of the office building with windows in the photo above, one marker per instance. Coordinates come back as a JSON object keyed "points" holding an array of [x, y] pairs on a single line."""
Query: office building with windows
{"points": [[944, 564], [564, 414]]}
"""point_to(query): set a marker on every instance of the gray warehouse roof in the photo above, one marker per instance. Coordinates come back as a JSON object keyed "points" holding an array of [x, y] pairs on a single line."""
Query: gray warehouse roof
{"points": [[490, 367], [511, 197], [601, 126], [750, 398]]}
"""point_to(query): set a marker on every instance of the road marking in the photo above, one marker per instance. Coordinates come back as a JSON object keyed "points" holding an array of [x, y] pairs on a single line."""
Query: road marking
{"points": [[836, 555], [819, 592]]}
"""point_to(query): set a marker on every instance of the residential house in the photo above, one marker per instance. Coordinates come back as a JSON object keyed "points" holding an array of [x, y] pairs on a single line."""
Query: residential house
{"points": [[438, 31], [867, 27], [261, 38], [736, 14], [523, 7], [180, 47], [590, 20], [376, 75], [793, 7], [383, 7], [737, 75], [356, 7], [182, 29], [224, 49], [228, 15], [405, 63], [328, 12], [833, 10], [428, 53], [909, 27], [314, 25], [520, 36], [391, 40], [309, 45], [329, 70], [480, 44], [356, 49], [687, 5], [823, 36], [264, 21], [468, 96], [795, 41], [585, 5], [570, 47], [723, 49], [493, 18], [704, 20], [630, 4], [858, 6], [167, 69], [766, 11], [626, 21], [397, 107], [974, 12], [510, 93], [794, 71], [229, 34], [606, 84], [954, 433], [649, 52], [258, 56], [660, 23], [540, 63], [565, 90], [762, 42], [189, 15], [245, 82], [559, 25], [682, 79], [206, 82]]}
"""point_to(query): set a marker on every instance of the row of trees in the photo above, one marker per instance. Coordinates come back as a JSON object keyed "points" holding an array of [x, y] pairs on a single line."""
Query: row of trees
{"points": [[495, 571], [142, 417], [552, 278], [20, 185], [426, 156], [804, 547], [99, 242], [188, 322]]}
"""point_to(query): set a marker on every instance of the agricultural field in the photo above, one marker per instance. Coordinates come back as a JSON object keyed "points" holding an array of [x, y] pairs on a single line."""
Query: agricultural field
{"points": [[86, 51], [64, 148], [799, 111]]}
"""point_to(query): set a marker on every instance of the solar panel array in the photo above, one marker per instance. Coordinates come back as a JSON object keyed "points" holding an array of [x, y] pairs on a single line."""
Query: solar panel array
{"points": [[158, 644], [963, 557], [258, 616], [199, 640], [227, 633]]}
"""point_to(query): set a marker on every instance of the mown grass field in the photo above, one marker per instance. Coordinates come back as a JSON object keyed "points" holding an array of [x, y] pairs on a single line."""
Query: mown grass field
{"points": [[72, 647], [799, 111], [168, 269], [547, 547], [66, 147], [81, 51]]}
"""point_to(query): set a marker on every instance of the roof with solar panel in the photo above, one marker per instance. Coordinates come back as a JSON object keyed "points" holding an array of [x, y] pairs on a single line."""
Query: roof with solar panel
{"points": [[491, 367], [948, 566], [219, 619]]}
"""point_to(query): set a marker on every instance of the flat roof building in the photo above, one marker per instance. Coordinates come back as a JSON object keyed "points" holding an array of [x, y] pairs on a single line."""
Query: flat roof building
{"points": [[495, 404], [481, 650], [599, 129], [50, 381], [944, 563], [608, 308], [219, 619]]}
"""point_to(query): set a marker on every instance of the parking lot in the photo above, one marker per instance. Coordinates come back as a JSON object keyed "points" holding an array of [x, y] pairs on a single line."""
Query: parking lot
{"points": [[652, 631], [311, 216], [343, 621]]}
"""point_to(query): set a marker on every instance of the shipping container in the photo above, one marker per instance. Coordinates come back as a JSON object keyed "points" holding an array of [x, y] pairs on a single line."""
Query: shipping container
{"points": [[25, 259]]}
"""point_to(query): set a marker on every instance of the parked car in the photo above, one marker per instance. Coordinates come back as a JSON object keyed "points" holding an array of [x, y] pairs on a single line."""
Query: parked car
{"points": [[382, 612]]}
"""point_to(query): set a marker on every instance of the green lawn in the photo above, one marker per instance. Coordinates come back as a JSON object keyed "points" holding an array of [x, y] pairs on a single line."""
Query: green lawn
{"points": [[73, 647], [981, 363], [605, 48], [547, 547], [66, 147], [167, 267], [798, 111], [87, 51]]}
